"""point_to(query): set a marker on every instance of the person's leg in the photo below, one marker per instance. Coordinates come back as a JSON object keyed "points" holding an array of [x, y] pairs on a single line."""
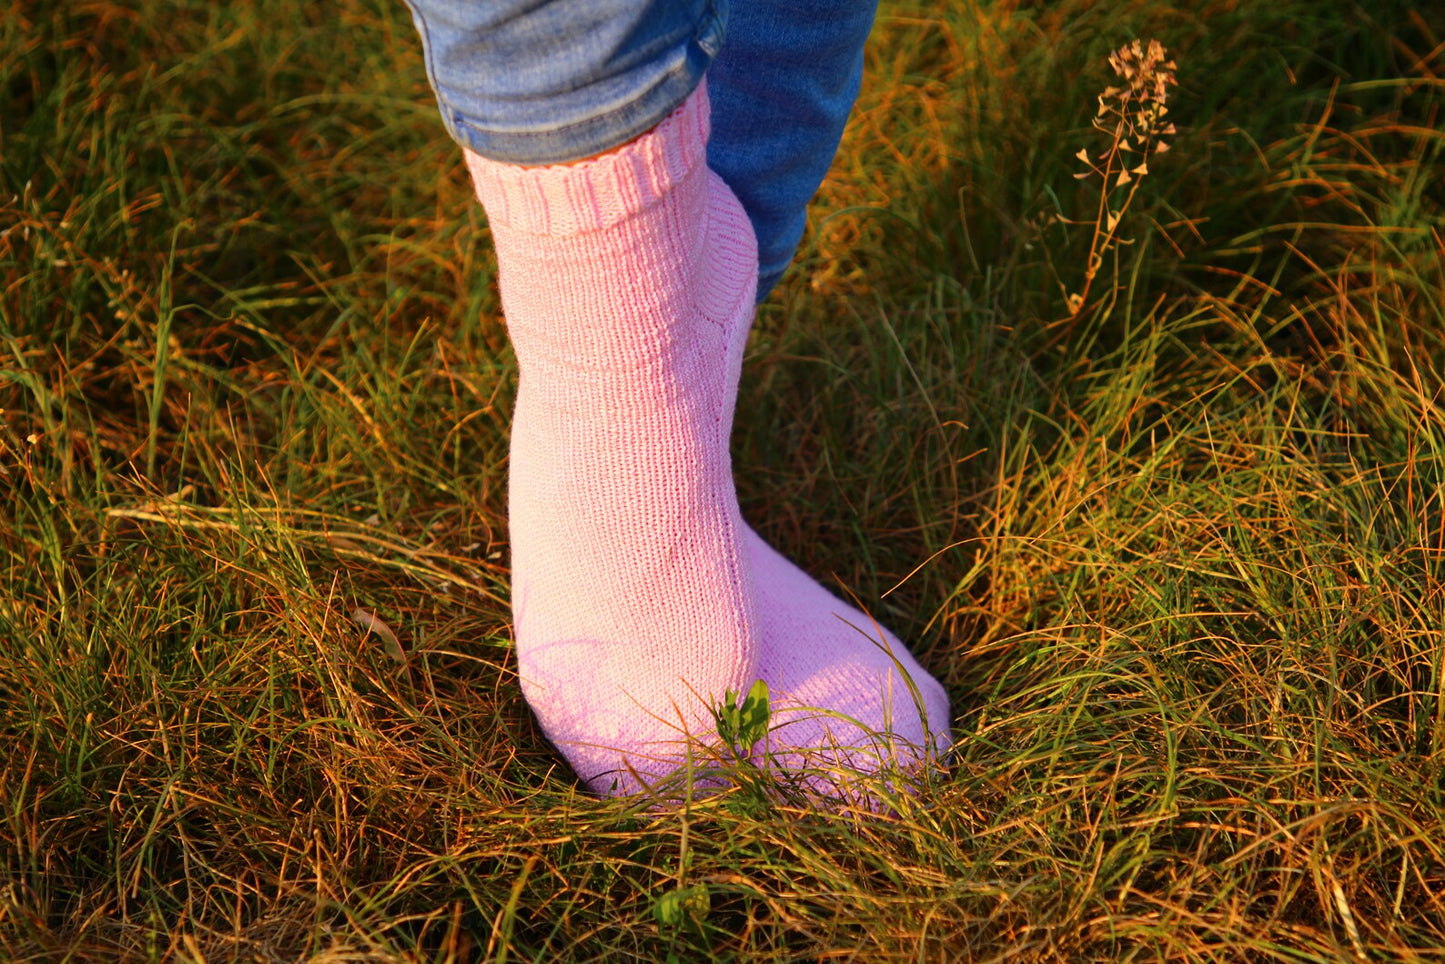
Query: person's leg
{"points": [[632, 607], [627, 283], [782, 87]]}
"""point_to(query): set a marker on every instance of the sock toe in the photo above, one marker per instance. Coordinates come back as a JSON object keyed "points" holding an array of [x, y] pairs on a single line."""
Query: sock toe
{"points": [[846, 693]]}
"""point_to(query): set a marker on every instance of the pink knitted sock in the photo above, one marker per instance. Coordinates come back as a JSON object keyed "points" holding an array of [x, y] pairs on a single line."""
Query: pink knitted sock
{"points": [[639, 595], [622, 277]]}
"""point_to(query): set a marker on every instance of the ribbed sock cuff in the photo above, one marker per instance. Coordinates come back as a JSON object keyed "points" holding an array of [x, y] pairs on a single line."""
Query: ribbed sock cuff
{"points": [[591, 195]]}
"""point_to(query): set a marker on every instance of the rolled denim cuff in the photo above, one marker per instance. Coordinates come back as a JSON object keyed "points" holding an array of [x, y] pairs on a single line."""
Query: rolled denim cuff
{"points": [[533, 83]]}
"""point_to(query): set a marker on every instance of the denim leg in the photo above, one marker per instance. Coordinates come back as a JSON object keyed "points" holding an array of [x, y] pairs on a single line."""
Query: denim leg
{"points": [[781, 90], [537, 82]]}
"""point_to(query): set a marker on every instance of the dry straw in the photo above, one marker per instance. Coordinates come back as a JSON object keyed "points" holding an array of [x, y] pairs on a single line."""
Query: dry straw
{"points": [[1134, 116]]}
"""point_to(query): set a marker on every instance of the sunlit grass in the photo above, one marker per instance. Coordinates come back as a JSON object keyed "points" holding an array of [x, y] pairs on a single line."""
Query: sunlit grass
{"points": [[1177, 550]]}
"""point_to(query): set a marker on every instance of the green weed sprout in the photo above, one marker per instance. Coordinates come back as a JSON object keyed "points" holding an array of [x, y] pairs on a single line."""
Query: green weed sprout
{"points": [[744, 724]]}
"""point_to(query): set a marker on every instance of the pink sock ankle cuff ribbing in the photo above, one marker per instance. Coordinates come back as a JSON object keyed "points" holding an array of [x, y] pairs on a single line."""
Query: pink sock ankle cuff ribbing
{"points": [[595, 194]]}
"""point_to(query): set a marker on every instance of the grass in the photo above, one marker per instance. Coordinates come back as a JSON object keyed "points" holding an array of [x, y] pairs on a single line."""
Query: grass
{"points": [[1179, 554]]}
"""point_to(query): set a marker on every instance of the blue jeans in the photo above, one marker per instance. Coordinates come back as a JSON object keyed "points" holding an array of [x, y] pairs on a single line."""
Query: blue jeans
{"points": [[537, 82]]}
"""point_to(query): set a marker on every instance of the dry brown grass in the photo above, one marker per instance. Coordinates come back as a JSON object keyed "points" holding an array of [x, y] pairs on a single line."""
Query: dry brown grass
{"points": [[1178, 556]]}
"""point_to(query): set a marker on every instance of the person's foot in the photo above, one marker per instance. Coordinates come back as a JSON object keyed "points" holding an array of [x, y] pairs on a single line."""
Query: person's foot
{"points": [[632, 601]]}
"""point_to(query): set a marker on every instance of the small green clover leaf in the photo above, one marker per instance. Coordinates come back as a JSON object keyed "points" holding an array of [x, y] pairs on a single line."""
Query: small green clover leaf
{"points": [[682, 905], [744, 724]]}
